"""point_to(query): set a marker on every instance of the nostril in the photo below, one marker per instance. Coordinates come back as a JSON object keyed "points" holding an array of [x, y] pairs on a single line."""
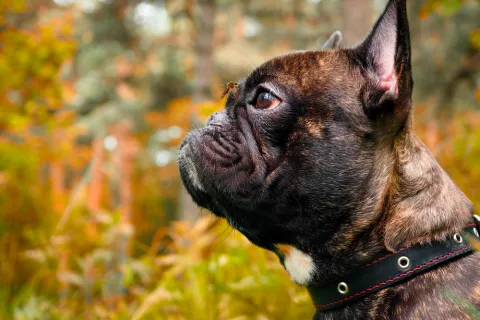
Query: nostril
{"points": [[217, 119]]}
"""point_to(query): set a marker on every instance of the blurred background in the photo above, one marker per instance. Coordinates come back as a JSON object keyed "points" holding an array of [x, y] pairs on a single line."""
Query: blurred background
{"points": [[95, 97]]}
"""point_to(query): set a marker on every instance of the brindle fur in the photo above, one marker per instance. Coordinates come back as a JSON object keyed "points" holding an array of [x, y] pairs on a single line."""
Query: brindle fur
{"points": [[336, 171]]}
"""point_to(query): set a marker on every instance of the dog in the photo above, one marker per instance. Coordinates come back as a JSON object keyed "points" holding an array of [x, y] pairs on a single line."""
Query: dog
{"points": [[315, 159]]}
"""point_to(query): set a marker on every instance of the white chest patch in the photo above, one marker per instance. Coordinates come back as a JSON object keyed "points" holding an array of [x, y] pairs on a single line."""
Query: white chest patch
{"points": [[299, 266]]}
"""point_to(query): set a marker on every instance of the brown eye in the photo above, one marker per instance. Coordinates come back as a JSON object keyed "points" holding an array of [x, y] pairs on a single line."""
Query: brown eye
{"points": [[266, 100]]}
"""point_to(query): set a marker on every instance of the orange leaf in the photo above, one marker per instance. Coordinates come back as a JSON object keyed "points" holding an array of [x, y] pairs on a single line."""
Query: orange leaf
{"points": [[123, 68], [125, 91]]}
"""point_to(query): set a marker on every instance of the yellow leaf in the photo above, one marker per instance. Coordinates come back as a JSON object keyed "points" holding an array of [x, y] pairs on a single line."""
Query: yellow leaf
{"points": [[475, 38], [17, 6], [206, 109]]}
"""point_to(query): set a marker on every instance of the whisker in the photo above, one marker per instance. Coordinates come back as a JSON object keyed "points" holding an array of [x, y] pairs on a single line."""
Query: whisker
{"points": [[228, 235]]}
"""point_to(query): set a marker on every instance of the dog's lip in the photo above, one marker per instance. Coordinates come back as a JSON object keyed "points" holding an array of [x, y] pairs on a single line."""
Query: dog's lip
{"points": [[185, 150], [183, 144]]}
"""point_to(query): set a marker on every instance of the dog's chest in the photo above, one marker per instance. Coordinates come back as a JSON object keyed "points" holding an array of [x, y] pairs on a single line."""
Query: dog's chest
{"points": [[299, 265]]}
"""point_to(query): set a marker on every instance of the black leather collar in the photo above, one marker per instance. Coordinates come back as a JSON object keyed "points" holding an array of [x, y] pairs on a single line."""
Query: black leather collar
{"points": [[390, 268]]}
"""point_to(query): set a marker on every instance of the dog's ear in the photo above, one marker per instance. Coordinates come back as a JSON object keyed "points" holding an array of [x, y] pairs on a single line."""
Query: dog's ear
{"points": [[334, 41], [385, 57]]}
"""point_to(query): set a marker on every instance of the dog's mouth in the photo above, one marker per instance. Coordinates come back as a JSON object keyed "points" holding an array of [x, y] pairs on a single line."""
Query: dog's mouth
{"points": [[221, 176], [219, 170]]}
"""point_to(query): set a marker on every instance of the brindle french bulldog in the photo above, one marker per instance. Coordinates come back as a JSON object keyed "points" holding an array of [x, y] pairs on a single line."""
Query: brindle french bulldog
{"points": [[314, 158]]}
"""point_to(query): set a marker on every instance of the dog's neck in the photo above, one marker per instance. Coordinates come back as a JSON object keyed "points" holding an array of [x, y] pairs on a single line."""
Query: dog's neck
{"points": [[424, 204], [412, 201]]}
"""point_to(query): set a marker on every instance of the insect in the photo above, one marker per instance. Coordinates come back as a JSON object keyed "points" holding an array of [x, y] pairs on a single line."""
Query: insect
{"points": [[229, 86]]}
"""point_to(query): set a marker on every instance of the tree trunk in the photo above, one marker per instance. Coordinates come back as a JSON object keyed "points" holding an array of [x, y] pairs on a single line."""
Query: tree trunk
{"points": [[205, 26]]}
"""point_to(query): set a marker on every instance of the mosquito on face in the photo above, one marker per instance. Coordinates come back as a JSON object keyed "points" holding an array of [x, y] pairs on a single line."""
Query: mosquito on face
{"points": [[228, 87]]}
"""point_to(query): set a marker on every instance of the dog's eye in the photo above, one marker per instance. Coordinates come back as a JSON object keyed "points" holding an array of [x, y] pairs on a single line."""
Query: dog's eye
{"points": [[266, 100]]}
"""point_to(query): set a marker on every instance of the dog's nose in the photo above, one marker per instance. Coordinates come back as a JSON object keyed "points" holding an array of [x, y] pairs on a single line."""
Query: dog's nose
{"points": [[217, 119]]}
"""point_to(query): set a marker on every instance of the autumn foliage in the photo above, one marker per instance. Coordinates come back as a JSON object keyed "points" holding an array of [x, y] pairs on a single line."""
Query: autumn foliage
{"points": [[88, 206]]}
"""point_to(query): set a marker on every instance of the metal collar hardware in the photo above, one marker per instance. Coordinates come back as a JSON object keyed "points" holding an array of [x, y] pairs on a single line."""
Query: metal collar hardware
{"points": [[391, 267]]}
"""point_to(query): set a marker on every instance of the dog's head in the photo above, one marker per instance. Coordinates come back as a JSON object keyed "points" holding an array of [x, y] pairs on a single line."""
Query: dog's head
{"points": [[296, 150]]}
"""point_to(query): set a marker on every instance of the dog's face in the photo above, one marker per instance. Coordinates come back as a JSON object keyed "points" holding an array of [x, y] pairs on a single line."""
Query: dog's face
{"points": [[295, 149], [289, 140]]}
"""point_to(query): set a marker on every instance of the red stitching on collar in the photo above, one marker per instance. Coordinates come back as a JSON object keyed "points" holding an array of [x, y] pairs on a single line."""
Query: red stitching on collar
{"points": [[382, 258], [395, 278], [400, 250]]}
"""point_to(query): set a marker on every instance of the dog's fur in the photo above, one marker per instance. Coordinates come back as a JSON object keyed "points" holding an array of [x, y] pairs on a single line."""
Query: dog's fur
{"points": [[334, 173]]}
